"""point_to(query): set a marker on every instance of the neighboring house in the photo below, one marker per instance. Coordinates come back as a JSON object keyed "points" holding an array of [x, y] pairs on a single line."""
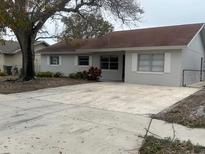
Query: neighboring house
{"points": [[156, 56], [11, 56]]}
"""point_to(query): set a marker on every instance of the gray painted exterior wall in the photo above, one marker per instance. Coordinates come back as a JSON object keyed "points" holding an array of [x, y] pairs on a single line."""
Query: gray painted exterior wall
{"points": [[69, 65], [172, 78], [188, 58], [191, 59]]}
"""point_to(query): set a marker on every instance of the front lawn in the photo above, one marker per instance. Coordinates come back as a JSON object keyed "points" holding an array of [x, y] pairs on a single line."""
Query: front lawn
{"points": [[152, 145], [13, 86], [189, 112]]}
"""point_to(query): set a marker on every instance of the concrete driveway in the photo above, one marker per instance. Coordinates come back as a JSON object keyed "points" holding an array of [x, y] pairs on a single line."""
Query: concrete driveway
{"points": [[102, 118]]}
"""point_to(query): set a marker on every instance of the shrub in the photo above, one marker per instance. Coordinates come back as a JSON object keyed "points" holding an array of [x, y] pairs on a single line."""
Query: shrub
{"points": [[81, 75], [78, 75], [94, 73], [2, 73], [45, 74], [72, 76], [58, 75]]}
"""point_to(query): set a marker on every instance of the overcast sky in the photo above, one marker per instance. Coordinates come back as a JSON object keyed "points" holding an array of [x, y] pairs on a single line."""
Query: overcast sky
{"points": [[164, 12], [167, 12]]}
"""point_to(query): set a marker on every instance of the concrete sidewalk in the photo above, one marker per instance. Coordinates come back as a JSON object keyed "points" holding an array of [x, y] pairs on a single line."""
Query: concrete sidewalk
{"points": [[163, 129], [65, 120]]}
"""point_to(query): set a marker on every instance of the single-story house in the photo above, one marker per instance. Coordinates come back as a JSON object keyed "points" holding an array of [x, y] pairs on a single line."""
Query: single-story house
{"points": [[156, 56], [11, 56]]}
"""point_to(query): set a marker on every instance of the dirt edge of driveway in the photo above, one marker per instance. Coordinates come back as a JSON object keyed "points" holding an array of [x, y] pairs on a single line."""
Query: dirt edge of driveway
{"points": [[189, 112], [154, 145], [13, 86]]}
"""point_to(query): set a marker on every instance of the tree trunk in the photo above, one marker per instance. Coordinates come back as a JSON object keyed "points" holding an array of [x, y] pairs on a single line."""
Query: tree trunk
{"points": [[26, 42]]}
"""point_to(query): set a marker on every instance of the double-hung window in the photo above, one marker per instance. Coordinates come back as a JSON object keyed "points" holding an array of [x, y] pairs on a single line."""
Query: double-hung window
{"points": [[83, 60], [109, 62], [54, 60], [151, 62]]}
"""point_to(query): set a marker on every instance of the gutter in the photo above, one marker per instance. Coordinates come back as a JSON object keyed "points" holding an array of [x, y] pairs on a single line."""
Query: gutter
{"points": [[133, 49], [83, 51]]}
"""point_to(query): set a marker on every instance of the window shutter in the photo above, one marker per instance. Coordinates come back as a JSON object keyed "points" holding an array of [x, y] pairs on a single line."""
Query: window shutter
{"points": [[48, 60], [90, 60], [134, 62], [167, 62], [60, 60], [75, 60]]}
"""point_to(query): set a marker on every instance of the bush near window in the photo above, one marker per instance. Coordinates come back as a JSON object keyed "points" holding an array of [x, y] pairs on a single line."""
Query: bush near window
{"points": [[58, 75], [93, 73], [50, 74], [79, 75], [45, 74], [2, 73]]}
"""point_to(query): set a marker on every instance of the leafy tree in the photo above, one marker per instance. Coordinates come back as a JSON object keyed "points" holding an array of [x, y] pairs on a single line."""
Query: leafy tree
{"points": [[85, 26], [26, 19], [2, 31]]}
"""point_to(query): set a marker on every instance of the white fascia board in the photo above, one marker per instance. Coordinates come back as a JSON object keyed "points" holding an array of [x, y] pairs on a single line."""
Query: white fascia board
{"points": [[132, 49], [42, 42], [88, 51], [16, 51], [198, 32]]}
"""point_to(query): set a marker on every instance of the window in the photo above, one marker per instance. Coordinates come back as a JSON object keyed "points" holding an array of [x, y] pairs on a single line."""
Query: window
{"points": [[151, 62], [109, 62], [54, 60], [83, 60]]}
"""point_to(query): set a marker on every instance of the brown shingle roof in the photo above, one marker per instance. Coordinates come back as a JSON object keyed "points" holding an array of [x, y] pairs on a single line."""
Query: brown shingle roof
{"points": [[179, 35], [10, 47]]}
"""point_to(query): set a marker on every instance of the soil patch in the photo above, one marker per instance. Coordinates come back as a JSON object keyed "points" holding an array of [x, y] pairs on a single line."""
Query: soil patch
{"points": [[13, 86], [153, 145], [189, 112]]}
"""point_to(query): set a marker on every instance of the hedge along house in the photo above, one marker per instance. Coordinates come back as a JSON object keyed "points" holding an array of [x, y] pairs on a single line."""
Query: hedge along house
{"points": [[11, 56], [156, 56]]}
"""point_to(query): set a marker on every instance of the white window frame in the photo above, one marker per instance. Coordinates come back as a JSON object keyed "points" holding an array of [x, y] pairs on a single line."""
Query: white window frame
{"points": [[167, 63], [109, 62], [151, 63], [49, 60], [89, 59]]}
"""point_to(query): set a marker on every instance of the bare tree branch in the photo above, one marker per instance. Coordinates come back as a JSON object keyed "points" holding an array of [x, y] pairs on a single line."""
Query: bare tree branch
{"points": [[27, 17]]}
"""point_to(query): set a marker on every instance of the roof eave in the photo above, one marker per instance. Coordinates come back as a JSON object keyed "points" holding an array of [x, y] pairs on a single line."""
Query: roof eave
{"points": [[7, 53], [38, 43], [78, 51], [133, 48]]}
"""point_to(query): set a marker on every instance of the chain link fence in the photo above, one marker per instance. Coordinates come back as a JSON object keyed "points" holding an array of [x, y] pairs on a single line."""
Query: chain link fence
{"points": [[192, 76]]}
